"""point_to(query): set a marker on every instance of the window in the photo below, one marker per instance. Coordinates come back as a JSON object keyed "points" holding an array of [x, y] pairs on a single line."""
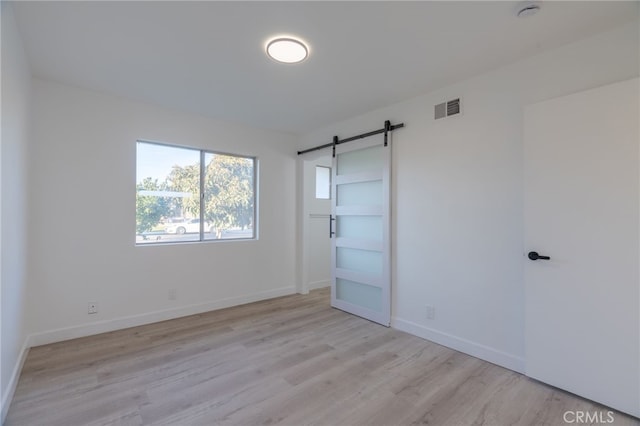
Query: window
{"points": [[323, 182], [185, 194]]}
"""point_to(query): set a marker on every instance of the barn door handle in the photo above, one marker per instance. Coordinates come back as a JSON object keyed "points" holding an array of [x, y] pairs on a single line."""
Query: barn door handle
{"points": [[533, 255], [331, 219]]}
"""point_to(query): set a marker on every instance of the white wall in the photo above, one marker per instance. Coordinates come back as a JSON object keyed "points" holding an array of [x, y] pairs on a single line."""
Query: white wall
{"points": [[457, 215], [82, 218], [16, 87], [317, 245]]}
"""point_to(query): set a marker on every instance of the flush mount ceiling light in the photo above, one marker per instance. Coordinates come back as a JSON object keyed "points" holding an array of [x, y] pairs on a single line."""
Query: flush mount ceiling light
{"points": [[288, 50]]}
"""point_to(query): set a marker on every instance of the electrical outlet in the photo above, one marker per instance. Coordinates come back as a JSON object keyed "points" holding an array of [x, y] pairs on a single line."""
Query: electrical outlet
{"points": [[431, 312], [173, 295], [93, 307]]}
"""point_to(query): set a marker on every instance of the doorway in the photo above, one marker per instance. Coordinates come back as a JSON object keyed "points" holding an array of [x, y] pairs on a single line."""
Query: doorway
{"points": [[316, 210]]}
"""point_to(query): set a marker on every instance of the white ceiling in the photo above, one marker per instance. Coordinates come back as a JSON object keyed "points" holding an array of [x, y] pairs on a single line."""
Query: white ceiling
{"points": [[208, 57]]}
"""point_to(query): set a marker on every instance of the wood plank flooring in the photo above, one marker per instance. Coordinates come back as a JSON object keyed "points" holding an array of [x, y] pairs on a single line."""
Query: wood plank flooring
{"points": [[287, 361]]}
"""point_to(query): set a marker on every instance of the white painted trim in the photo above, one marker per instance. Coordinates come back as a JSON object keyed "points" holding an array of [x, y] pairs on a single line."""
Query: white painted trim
{"points": [[358, 243], [98, 327], [319, 216], [15, 375], [358, 210], [319, 284], [475, 349], [359, 177], [361, 277], [302, 219]]}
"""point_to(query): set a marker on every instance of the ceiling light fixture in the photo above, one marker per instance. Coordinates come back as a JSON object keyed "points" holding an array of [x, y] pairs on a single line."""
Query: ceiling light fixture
{"points": [[287, 50]]}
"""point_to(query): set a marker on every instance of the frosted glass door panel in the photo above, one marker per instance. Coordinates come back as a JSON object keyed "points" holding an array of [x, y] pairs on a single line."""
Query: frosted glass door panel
{"points": [[359, 294], [360, 249], [359, 227], [360, 194], [363, 160], [366, 261]]}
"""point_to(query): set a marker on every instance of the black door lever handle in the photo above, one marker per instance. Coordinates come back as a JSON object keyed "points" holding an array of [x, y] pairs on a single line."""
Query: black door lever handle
{"points": [[533, 255]]}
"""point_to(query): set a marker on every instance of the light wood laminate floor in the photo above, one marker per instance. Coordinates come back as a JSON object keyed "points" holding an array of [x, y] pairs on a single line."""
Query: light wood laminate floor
{"points": [[290, 361]]}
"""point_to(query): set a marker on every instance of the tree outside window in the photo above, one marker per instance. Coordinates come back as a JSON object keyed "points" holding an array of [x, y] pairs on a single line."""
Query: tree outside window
{"points": [[168, 201]]}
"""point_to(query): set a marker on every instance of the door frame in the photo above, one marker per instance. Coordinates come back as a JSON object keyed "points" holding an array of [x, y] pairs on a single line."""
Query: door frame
{"points": [[586, 291], [303, 221]]}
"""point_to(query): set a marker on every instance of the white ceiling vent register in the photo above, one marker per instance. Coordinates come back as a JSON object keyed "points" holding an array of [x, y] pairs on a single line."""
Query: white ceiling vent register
{"points": [[447, 109]]}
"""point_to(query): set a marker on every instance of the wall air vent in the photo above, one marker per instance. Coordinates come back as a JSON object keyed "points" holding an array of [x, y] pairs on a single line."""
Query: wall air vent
{"points": [[447, 109]]}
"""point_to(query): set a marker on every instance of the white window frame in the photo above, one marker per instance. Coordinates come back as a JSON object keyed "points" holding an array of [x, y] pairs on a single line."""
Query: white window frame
{"points": [[201, 234]]}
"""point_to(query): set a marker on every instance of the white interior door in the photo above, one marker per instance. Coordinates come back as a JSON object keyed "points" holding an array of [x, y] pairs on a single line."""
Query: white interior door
{"points": [[360, 249], [581, 210]]}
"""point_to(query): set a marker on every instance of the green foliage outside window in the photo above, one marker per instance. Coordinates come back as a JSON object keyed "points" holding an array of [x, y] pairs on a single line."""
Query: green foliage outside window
{"points": [[228, 201], [150, 209]]}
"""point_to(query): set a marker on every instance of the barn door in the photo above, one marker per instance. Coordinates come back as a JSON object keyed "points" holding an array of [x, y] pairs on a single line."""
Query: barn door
{"points": [[360, 250]]}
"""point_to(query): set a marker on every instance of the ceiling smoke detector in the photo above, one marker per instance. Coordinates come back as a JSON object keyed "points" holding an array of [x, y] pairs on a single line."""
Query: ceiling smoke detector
{"points": [[528, 9]]}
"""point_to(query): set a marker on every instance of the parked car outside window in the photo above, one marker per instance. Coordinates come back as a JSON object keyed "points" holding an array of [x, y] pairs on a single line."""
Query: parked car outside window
{"points": [[187, 226]]}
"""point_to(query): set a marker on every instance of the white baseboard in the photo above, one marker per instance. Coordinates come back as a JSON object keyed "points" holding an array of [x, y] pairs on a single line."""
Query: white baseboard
{"points": [[477, 350], [472, 348], [58, 335], [319, 284], [13, 382], [98, 327]]}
